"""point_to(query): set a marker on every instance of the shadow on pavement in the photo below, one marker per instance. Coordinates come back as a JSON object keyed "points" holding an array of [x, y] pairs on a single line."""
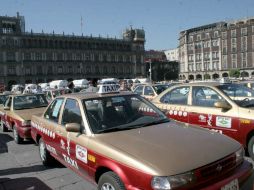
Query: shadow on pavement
{"points": [[4, 139], [34, 168], [23, 183]]}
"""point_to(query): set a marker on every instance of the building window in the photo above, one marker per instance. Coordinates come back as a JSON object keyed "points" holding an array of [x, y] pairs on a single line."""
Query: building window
{"points": [[38, 56], [11, 70], [50, 70], [244, 43], [243, 31], [70, 70], [233, 33], [27, 56], [39, 70], [224, 62], [234, 60], [198, 37], [60, 70], [191, 38], [215, 43], [252, 28], [207, 35], [233, 45], [224, 35], [216, 34], [27, 71], [243, 59], [10, 56]]}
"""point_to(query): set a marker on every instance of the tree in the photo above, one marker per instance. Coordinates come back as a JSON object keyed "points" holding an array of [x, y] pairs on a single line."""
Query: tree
{"points": [[234, 73]]}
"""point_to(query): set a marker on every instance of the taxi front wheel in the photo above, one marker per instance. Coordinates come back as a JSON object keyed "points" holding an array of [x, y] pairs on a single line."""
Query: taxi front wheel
{"points": [[251, 148], [3, 127], [110, 181], [45, 156]]}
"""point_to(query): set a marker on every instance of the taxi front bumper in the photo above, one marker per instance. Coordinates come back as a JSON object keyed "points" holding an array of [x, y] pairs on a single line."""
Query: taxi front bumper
{"points": [[25, 132], [244, 175]]}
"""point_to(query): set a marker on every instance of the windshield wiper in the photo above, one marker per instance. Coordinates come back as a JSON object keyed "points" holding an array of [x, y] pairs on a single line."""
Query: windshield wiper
{"points": [[128, 127]]}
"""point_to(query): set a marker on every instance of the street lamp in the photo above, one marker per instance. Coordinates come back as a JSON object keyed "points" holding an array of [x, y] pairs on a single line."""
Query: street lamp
{"points": [[150, 69]]}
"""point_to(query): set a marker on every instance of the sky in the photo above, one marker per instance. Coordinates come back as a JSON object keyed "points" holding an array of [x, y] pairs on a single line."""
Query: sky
{"points": [[162, 20]]}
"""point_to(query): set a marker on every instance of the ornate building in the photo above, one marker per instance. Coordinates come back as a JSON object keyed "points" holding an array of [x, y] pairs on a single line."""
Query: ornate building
{"points": [[28, 57], [211, 51]]}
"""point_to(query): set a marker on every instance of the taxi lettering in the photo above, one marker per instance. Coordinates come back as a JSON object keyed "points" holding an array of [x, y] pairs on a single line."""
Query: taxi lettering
{"points": [[70, 161], [111, 88], [51, 149]]}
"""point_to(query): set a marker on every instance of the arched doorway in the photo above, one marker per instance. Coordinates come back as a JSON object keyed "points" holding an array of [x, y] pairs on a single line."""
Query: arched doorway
{"points": [[207, 76], [225, 75], [191, 77], [198, 77], [244, 74], [215, 76]]}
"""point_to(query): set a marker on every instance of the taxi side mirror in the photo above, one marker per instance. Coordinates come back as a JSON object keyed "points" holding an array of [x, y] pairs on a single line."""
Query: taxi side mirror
{"points": [[73, 127], [6, 108], [223, 105]]}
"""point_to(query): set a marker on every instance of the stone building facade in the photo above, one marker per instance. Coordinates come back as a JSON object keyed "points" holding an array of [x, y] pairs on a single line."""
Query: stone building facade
{"points": [[211, 51], [28, 57]]}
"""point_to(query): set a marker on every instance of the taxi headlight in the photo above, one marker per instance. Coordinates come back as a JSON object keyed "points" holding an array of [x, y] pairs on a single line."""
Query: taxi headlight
{"points": [[239, 156], [172, 182], [25, 123]]}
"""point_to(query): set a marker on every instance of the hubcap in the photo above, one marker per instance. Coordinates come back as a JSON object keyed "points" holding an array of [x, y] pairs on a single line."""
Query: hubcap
{"points": [[107, 186], [42, 151]]}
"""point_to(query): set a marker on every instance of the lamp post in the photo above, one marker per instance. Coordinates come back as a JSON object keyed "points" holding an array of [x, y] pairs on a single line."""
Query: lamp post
{"points": [[150, 70]]}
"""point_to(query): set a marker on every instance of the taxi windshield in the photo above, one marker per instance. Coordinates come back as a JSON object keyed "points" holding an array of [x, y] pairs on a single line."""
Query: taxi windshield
{"points": [[107, 114], [160, 88], [29, 101], [3, 98], [240, 94]]}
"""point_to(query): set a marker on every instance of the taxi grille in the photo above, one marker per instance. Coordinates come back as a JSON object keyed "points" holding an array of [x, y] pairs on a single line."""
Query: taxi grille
{"points": [[218, 167]]}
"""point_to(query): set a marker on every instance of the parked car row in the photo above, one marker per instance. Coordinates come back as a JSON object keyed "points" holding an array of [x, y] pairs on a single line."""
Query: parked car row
{"points": [[120, 140]]}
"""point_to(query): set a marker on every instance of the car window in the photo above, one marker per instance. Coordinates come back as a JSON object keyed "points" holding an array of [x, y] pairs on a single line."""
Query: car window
{"points": [[148, 91], [204, 96], [29, 101], [236, 90], [71, 112], [176, 96], [8, 102], [53, 110], [139, 90]]}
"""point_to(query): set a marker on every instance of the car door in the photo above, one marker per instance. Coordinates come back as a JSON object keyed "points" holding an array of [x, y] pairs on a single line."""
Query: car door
{"points": [[175, 103], [204, 113], [49, 127], [74, 145]]}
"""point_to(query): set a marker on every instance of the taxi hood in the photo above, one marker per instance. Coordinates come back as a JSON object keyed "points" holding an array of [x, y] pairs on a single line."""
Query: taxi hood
{"points": [[167, 149], [26, 114]]}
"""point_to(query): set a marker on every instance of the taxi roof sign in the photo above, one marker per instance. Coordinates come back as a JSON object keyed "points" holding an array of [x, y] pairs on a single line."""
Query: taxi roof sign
{"points": [[225, 80], [108, 88]]}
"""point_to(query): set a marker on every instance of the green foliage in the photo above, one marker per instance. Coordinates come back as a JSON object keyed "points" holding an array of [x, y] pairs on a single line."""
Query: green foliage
{"points": [[234, 73]]}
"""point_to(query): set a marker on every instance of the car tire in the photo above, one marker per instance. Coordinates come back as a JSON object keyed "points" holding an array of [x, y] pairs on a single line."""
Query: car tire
{"points": [[251, 148], [3, 127], [110, 181], [45, 156], [16, 136]]}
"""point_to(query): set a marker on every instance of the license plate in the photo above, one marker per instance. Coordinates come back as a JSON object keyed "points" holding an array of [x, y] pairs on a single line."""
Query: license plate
{"points": [[233, 185]]}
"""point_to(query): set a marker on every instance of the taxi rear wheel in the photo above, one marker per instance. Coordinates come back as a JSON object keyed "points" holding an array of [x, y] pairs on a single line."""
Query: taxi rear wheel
{"points": [[16, 136], [3, 127], [45, 156], [251, 148], [110, 181]]}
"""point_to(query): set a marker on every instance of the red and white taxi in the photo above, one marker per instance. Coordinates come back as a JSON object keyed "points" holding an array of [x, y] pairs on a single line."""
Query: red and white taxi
{"points": [[123, 142]]}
